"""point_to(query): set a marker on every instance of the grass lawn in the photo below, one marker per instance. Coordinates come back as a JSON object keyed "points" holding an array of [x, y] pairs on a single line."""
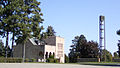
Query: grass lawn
{"points": [[101, 63]]}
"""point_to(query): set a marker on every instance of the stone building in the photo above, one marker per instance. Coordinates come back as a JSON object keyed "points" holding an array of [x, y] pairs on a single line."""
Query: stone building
{"points": [[39, 50]]}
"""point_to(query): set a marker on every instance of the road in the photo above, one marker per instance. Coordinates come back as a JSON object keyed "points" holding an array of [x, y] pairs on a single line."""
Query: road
{"points": [[47, 65]]}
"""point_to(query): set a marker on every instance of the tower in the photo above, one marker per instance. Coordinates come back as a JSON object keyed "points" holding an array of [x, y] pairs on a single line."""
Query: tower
{"points": [[102, 41]]}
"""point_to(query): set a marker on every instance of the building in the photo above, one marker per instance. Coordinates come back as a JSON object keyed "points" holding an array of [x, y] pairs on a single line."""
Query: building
{"points": [[41, 51]]}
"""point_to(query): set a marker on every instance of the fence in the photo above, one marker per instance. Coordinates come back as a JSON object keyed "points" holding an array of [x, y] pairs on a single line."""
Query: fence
{"points": [[88, 60], [116, 60]]}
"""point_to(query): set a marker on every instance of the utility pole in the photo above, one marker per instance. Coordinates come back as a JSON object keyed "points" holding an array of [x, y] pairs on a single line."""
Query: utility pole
{"points": [[102, 40]]}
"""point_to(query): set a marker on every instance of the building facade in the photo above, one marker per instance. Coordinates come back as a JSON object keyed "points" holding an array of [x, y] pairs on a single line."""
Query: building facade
{"points": [[38, 50]]}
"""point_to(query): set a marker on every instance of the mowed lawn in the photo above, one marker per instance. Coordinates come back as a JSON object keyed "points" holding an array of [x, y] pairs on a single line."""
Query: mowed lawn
{"points": [[50, 65]]}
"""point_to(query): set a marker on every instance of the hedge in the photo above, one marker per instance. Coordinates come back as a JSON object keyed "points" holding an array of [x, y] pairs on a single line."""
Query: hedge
{"points": [[51, 60], [10, 60]]}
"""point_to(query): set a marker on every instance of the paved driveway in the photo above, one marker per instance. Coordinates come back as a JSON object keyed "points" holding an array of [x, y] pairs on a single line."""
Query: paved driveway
{"points": [[46, 65]]}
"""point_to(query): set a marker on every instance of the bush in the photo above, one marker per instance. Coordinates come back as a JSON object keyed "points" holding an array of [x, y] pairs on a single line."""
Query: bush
{"points": [[10, 60], [108, 56], [26, 60], [66, 59], [33, 60], [51, 60], [51, 56], [56, 60]]}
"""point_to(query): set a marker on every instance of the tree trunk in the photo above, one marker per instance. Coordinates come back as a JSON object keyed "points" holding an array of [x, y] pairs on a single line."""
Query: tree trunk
{"points": [[12, 43], [23, 52], [6, 44]]}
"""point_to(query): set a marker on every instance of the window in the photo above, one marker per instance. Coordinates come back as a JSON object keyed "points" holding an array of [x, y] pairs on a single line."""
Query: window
{"points": [[60, 46]]}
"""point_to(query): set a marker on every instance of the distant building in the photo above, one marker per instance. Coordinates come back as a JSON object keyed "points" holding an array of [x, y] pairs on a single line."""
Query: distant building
{"points": [[40, 50]]}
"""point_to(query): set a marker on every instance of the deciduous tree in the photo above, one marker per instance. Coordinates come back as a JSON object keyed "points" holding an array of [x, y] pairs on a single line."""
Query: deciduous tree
{"points": [[83, 49]]}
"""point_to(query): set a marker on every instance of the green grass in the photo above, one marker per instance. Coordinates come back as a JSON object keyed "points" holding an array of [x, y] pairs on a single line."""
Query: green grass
{"points": [[101, 63]]}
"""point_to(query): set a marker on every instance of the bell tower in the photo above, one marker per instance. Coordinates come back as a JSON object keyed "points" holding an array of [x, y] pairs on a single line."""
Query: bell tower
{"points": [[102, 41]]}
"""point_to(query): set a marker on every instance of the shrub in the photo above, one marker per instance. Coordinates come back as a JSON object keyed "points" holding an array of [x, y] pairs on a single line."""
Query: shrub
{"points": [[10, 60], [51, 60], [51, 56], [33, 60], [56, 60], [26, 60], [67, 59]]}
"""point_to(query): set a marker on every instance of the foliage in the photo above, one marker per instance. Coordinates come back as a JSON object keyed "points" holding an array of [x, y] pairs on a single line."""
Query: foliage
{"points": [[108, 56], [51, 59], [50, 31], [51, 56], [2, 50], [10, 60], [26, 60], [118, 32], [83, 49], [115, 55], [66, 59], [20, 18], [33, 60]]}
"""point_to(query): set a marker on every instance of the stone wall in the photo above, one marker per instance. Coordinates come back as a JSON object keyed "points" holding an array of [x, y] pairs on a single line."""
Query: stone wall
{"points": [[115, 60], [31, 51], [87, 60]]}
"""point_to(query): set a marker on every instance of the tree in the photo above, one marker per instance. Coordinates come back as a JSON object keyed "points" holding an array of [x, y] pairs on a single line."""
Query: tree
{"points": [[118, 33], [108, 56], [92, 49], [66, 59], [20, 18], [50, 31], [9, 18], [2, 49], [5, 13], [83, 49], [73, 53], [115, 55], [29, 21]]}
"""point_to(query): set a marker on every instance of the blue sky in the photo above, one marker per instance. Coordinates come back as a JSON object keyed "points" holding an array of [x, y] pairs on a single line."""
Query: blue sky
{"points": [[70, 18]]}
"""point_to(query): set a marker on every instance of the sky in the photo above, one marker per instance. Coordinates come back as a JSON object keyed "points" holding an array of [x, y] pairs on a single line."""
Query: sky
{"points": [[71, 18]]}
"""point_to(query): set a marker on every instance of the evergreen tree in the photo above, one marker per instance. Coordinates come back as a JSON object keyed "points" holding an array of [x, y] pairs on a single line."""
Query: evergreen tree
{"points": [[21, 18], [118, 33], [6, 10], [30, 22], [115, 55], [66, 59], [50, 31], [83, 49]]}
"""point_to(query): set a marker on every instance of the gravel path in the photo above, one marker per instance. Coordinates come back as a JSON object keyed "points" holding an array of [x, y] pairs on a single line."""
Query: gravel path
{"points": [[46, 65]]}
